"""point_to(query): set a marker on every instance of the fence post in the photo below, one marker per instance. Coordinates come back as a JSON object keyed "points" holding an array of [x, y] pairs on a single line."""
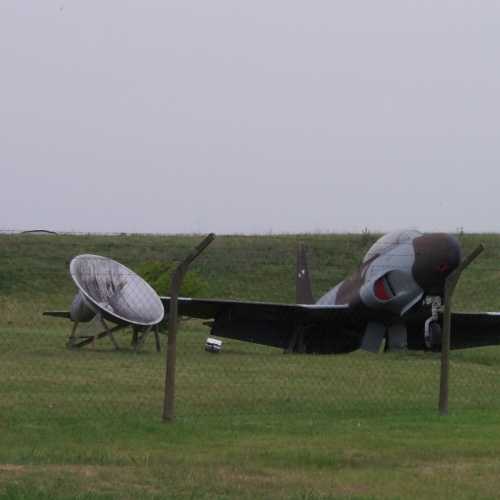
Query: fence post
{"points": [[175, 286], [449, 288]]}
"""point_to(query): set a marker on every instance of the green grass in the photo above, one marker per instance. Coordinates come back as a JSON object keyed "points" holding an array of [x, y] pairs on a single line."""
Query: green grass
{"points": [[251, 422]]}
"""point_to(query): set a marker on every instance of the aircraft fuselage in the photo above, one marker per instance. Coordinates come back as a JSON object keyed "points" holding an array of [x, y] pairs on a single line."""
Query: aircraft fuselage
{"points": [[397, 273]]}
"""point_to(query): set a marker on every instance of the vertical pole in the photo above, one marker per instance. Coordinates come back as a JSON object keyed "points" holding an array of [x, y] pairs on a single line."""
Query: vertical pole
{"points": [[171, 356], [449, 288], [445, 345]]}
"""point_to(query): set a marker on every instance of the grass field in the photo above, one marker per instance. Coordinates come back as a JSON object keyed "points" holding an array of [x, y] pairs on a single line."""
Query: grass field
{"points": [[251, 423]]}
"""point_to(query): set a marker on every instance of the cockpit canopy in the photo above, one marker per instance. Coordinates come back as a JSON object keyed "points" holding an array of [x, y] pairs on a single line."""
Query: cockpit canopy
{"points": [[390, 241]]}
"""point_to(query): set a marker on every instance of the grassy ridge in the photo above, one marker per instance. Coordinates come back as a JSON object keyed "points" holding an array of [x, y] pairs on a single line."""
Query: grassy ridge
{"points": [[252, 423], [250, 267]]}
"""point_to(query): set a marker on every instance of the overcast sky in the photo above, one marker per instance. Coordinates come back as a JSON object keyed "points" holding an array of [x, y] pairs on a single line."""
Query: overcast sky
{"points": [[249, 116]]}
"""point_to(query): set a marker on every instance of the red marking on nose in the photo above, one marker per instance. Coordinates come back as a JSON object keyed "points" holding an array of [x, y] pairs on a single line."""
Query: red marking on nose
{"points": [[381, 291], [443, 267]]}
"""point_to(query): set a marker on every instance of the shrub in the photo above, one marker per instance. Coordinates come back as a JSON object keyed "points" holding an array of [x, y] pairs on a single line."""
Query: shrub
{"points": [[159, 273]]}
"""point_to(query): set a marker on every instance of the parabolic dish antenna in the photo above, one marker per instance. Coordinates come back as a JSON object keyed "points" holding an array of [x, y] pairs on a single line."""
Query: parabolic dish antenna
{"points": [[115, 291]]}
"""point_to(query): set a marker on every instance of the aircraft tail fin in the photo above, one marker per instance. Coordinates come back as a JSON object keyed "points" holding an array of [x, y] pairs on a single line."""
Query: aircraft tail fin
{"points": [[303, 288]]}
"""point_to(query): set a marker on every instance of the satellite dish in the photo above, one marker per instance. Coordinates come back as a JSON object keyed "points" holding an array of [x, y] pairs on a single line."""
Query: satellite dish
{"points": [[113, 290]]}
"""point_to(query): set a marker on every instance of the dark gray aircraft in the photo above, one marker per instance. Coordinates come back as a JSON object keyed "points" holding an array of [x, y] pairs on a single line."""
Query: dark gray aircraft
{"points": [[394, 299]]}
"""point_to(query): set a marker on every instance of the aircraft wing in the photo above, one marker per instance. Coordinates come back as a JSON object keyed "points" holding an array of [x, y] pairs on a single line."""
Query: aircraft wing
{"points": [[211, 308], [475, 329], [263, 323], [58, 314]]}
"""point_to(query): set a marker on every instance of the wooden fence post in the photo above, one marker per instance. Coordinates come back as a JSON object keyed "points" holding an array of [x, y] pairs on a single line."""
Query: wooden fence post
{"points": [[449, 288], [175, 286]]}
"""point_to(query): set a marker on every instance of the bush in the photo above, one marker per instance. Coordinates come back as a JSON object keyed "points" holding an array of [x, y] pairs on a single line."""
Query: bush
{"points": [[159, 273]]}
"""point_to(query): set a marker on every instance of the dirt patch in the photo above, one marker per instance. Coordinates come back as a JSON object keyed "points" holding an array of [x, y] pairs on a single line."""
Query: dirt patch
{"points": [[279, 482], [85, 470], [19, 469]]}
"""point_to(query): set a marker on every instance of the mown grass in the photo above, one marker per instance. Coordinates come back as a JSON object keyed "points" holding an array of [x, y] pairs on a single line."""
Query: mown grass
{"points": [[251, 423]]}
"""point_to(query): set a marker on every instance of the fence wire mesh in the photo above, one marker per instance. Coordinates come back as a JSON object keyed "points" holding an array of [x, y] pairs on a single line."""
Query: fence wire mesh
{"points": [[42, 376]]}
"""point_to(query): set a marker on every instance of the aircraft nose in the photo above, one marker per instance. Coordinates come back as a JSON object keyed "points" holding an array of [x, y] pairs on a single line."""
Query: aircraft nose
{"points": [[436, 256]]}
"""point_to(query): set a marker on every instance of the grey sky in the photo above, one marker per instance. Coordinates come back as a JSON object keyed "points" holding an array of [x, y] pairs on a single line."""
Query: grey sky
{"points": [[255, 116]]}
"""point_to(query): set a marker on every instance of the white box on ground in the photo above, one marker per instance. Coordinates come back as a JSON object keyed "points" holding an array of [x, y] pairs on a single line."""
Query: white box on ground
{"points": [[213, 345]]}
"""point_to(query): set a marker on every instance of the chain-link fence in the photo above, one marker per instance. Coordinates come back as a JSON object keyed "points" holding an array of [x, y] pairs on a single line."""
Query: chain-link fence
{"points": [[45, 371]]}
